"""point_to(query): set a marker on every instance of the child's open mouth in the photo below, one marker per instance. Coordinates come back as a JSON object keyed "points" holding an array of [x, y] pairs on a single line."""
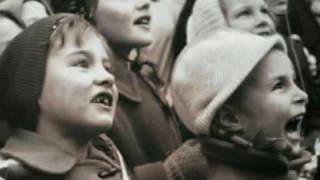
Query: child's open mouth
{"points": [[103, 98], [293, 130], [143, 21]]}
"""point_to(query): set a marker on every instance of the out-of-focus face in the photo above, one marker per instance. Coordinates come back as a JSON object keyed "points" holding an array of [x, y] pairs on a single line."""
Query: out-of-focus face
{"points": [[278, 6], [269, 104], [248, 15], [32, 11], [79, 93], [9, 29], [315, 10], [124, 22]]}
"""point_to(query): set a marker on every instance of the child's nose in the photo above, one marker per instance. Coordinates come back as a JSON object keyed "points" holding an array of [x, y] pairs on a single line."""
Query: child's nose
{"points": [[261, 20], [300, 97], [142, 4], [104, 78]]}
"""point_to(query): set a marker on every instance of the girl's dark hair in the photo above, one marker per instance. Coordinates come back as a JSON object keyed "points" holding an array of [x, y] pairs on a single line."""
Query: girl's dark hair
{"points": [[180, 35], [75, 24]]}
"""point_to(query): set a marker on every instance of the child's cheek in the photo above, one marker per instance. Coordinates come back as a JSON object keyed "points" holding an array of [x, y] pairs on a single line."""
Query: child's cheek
{"points": [[279, 114]]}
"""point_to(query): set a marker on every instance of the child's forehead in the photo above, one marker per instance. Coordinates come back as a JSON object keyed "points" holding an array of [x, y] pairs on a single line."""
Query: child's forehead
{"points": [[275, 64], [91, 46], [227, 4], [81, 38], [76, 38]]}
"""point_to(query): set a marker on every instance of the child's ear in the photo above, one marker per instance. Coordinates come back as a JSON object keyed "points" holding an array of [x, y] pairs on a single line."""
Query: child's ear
{"points": [[227, 125], [227, 119]]}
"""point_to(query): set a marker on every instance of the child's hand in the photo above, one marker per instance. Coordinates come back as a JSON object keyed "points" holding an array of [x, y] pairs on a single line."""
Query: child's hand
{"points": [[310, 169], [312, 61]]}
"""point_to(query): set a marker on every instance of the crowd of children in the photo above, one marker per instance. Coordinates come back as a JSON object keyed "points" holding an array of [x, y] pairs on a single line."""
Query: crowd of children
{"points": [[159, 89]]}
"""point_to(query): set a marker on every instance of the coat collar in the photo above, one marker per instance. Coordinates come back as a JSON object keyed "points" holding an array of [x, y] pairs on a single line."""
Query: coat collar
{"points": [[126, 80], [38, 153]]}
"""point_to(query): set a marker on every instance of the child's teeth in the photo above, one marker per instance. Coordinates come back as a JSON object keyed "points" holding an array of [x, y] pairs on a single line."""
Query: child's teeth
{"points": [[106, 101], [299, 127]]}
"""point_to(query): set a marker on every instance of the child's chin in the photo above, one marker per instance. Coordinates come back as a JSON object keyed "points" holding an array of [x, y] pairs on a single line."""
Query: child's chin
{"points": [[143, 42], [142, 39], [104, 122], [294, 149]]}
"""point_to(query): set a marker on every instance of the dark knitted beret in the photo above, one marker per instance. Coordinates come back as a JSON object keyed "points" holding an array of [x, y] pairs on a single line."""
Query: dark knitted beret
{"points": [[22, 71]]}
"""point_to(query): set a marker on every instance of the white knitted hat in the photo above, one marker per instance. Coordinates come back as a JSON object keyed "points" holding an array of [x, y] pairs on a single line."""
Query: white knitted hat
{"points": [[208, 72], [206, 17]]}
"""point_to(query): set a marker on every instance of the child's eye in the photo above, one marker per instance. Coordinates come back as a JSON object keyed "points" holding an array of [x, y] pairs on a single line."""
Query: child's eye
{"points": [[278, 85], [265, 10], [82, 63], [245, 12]]}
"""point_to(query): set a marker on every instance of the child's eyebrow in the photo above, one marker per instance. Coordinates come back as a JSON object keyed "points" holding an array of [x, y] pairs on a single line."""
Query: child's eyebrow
{"points": [[82, 52], [89, 55], [241, 7], [282, 76], [283, 73], [277, 76]]}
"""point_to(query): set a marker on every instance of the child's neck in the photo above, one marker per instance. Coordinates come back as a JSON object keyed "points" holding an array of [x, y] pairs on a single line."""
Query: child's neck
{"points": [[121, 50], [75, 143]]}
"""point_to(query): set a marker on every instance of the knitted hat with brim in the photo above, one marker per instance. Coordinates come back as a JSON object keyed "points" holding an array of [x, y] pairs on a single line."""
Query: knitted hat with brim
{"points": [[22, 71], [210, 70]]}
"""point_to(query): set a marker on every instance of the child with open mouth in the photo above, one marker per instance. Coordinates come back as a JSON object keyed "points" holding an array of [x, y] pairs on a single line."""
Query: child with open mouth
{"points": [[237, 91], [58, 94]]}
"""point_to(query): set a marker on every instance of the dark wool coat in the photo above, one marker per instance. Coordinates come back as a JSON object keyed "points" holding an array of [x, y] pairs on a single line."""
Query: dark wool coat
{"points": [[144, 129], [147, 132], [303, 23], [43, 159]]}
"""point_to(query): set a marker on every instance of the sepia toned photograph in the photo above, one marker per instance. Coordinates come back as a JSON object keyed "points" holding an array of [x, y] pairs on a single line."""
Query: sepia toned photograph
{"points": [[159, 90]]}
